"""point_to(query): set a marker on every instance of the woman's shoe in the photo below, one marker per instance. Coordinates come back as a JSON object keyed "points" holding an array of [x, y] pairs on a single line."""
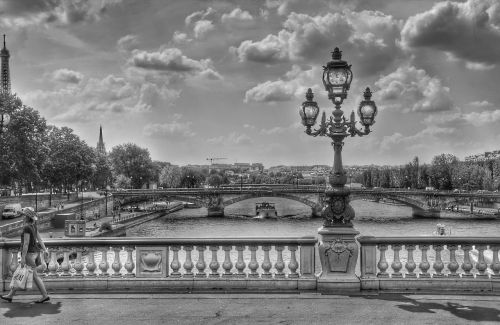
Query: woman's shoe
{"points": [[41, 301], [6, 298]]}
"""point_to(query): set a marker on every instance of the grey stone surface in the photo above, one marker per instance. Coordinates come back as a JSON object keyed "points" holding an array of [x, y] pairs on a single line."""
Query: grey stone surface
{"points": [[161, 308]]}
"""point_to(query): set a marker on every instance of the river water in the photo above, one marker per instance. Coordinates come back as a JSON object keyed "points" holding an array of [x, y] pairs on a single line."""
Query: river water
{"points": [[372, 219]]}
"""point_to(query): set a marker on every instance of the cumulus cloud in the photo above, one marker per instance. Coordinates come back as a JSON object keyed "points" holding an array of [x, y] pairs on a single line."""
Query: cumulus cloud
{"points": [[172, 60], [202, 27], [469, 30], [128, 43], [412, 89], [174, 128], [94, 97], [180, 37], [310, 37], [430, 134], [67, 76], [199, 15], [286, 89], [238, 18], [17, 13], [231, 139]]}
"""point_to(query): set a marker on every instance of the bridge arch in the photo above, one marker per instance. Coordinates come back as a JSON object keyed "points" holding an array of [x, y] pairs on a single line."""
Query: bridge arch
{"points": [[310, 203]]}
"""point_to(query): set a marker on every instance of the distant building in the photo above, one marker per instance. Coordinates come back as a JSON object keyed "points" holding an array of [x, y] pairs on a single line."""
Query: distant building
{"points": [[5, 75], [488, 155], [101, 149]]}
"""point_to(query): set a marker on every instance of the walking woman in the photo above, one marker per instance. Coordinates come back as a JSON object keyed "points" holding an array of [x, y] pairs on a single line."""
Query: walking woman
{"points": [[29, 252]]}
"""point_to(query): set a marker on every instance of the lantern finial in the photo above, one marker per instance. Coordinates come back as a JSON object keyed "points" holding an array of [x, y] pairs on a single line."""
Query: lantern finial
{"points": [[337, 54], [367, 94], [309, 95]]}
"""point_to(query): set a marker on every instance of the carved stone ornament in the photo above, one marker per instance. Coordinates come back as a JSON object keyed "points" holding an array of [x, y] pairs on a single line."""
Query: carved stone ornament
{"points": [[151, 261], [338, 254], [338, 246], [337, 211]]}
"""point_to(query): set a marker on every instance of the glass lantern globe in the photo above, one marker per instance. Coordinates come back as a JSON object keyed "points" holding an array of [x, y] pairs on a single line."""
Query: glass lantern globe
{"points": [[337, 77], [367, 109], [309, 110]]}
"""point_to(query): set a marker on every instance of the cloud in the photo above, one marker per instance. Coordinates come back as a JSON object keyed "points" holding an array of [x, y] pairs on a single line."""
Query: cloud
{"points": [[174, 128], [67, 76], [289, 88], [469, 30], [100, 98], [128, 43], [482, 104], [398, 142], [199, 15], [479, 66], [281, 129], [180, 37], [201, 28], [231, 139], [173, 60], [412, 89], [306, 37], [16, 13], [238, 18]]}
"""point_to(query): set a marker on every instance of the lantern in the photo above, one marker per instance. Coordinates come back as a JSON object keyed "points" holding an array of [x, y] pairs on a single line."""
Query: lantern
{"points": [[337, 77], [367, 109], [309, 110]]}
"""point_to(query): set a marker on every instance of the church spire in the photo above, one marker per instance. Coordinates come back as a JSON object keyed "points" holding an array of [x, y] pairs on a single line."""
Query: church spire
{"points": [[100, 145], [5, 73]]}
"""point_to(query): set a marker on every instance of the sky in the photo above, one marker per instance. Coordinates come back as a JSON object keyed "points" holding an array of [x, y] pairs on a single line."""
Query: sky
{"points": [[190, 80]]}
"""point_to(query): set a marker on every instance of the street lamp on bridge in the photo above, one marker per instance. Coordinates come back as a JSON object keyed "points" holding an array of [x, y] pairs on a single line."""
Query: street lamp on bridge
{"points": [[338, 233]]}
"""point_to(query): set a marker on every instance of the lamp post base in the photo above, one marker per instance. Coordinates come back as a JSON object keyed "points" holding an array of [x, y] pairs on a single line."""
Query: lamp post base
{"points": [[338, 254]]}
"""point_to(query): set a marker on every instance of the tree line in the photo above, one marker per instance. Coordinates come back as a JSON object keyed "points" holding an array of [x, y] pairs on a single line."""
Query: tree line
{"points": [[445, 172]]}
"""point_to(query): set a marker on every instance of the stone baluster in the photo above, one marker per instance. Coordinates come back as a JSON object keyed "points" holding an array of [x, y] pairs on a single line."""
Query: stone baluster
{"points": [[65, 266], [188, 263], [91, 265], [240, 264], [453, 265], [424, 264], [279, 265], [129, 265], [14, 252], [116, 265], [266, 264], [382, 263], [175, 265], [200, 264], [227, 265], [438, 263], [396, 264], [293, 265], [253, 265], [78, 266], [42, 267], [53, 265], [410, 264], [467, 264], [104, 265], [481, 265], [214, 264], [495, 265]]}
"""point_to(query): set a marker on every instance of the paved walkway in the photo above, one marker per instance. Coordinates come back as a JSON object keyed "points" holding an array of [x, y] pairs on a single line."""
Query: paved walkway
{"points": [[159, 308]]}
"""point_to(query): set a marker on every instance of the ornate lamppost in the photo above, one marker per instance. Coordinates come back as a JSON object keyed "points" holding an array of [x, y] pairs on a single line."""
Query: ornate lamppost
{"points": [[338, 248]]}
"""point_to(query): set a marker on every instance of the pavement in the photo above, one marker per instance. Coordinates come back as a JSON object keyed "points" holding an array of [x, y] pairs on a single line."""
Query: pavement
{"points": [[202, 308]]}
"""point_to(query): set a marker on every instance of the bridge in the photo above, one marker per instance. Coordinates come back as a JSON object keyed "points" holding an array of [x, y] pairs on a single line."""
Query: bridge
{"points": [[423, 203]]}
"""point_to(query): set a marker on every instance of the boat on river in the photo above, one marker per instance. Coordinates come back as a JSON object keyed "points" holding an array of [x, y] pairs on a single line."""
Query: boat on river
{"points": [[265, 210]]}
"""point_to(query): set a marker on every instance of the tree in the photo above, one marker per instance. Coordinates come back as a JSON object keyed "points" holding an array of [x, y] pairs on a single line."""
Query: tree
{"points": [[23, 149], [442, 171], [133, 162], [214, 180], [170, 176], [191, 177]]}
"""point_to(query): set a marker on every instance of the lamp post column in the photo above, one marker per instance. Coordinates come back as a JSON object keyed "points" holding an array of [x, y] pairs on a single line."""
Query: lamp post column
{"points": [[338, 249]]}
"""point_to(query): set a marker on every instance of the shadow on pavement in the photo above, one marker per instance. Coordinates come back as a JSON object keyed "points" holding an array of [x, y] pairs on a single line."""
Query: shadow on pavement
{"points": [[25, 309], [467, 312]]}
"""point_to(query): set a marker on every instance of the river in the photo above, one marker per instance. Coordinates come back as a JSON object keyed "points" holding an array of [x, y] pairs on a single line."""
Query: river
{"points": [[372, 219]]}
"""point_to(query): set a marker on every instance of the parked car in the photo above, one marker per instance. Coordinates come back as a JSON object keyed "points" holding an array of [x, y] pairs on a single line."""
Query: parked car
{"points": [[11, 210]]}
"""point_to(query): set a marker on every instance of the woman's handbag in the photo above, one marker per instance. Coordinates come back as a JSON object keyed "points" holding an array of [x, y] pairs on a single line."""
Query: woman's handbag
{"points": [[20, 278], [38, 259]]}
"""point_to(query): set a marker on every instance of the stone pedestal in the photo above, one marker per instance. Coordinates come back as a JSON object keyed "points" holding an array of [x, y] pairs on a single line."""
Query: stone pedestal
{"points": [[74, 228], [338, 253]]}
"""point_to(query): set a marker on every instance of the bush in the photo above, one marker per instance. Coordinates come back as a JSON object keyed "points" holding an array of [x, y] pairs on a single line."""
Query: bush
{"points": [[105, 226]]}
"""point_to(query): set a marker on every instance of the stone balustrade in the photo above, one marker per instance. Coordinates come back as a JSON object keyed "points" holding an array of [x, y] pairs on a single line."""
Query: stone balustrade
{"points": [[430, 263], [172, 264]]}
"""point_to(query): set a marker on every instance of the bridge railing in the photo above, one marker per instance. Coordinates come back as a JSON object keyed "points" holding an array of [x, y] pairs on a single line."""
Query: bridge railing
{"points": [[173, 264], [430, 263]]}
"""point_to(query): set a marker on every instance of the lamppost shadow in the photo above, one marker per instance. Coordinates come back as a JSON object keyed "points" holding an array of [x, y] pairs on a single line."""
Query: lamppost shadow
{"points": [[30, 309], [467, 312]]}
